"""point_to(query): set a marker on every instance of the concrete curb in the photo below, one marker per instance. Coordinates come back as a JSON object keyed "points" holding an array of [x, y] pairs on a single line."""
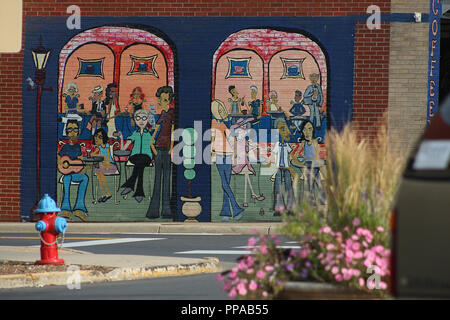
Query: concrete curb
{"points": [[298, 290], [210, 265], [151, 227]]}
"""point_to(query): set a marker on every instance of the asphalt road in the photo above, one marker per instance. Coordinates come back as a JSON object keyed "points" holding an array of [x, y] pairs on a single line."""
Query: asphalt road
{"points": [[227, 248], [195, 287]]}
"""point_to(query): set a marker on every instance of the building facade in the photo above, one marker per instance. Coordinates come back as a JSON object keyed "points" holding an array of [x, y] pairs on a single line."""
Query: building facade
{"points": [[246, 89]]}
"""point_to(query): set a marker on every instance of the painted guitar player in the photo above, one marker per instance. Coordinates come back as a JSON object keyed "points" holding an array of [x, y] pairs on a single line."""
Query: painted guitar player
{"points": [[71, 167]]}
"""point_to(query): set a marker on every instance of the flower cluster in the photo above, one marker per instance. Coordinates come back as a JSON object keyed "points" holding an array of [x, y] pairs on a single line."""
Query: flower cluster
{"points": [[261, 274], [349, 257]]}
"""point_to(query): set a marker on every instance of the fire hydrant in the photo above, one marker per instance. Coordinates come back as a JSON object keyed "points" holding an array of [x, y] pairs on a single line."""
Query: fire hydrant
{"points": [[49, 227]]}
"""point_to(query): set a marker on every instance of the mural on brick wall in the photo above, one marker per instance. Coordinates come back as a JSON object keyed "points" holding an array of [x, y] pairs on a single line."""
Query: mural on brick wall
{"points": [[269, 106], [116, 117], [152, 125]]}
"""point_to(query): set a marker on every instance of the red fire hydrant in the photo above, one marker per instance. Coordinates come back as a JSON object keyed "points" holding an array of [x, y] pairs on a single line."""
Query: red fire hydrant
{"points": [[49, 227]]}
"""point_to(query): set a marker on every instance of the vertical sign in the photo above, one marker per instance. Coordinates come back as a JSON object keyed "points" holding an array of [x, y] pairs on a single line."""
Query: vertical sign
{"points": [[433, 59]]}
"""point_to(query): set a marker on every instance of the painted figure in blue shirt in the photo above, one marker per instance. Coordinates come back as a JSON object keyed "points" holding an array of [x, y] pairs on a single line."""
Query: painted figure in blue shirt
{"points": [[235, 100], [73, 151], [297, 105], [107, 166], [71, 98]]}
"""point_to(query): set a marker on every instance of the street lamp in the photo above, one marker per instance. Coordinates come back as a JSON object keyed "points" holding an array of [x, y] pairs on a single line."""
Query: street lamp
{"points": [[40, 58]]}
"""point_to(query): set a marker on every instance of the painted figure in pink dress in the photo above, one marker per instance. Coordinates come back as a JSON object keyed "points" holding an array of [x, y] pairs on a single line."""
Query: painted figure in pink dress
{"points": [[241, 162]]}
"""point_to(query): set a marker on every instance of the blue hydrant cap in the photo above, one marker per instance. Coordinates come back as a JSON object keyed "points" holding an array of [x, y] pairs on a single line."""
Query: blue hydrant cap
{"points": [[60, 225], [47, 204], [40, 226]]}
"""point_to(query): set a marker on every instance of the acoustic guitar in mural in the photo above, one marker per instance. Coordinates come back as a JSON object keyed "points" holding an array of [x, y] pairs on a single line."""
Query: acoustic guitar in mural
{"points": [[68, 166]]}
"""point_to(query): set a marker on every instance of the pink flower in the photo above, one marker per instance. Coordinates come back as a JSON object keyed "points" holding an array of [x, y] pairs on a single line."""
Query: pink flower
{"points": [[356, 246], [242, 265], [219, 277], [252, 241], [347, 275], [250, 271], [360, 231], [265, 294], [361, 282], [380, 229], [326, 229], [338, 277], [367, 263], [383, 285], [232, 275], [269, 268], [358, 255], [379, 249], [263, 249], [356, 222], [232, 294], [330, 246], [253, 285], [356, 272], [349, 253], [241, 289], [334, 270], [250, 261], [304, 254], [260, 274]]}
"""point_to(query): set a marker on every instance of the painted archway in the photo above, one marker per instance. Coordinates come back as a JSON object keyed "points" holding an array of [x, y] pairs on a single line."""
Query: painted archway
{"points": [[288, 72], [103, 67]]}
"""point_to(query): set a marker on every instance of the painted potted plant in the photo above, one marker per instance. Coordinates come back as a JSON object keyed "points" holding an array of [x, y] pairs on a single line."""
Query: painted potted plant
{"points": [[191, 204]]}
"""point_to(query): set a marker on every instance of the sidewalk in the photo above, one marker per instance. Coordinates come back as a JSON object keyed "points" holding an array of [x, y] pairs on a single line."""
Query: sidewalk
{"points": [[126, 267]]}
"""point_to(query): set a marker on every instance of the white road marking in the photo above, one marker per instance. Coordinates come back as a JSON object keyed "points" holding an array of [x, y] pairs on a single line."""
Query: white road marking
{"points": [[231, 251], [214, 252], [279, 247], [103, 242]]}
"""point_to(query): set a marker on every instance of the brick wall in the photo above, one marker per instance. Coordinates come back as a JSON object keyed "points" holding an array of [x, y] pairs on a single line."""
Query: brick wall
{"points": [[370, 92], [371, 47]]}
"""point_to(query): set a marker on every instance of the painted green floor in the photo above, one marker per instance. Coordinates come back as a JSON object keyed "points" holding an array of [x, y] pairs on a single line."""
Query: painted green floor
{"points": [[121, 210], [129, 210], [253, 211]]}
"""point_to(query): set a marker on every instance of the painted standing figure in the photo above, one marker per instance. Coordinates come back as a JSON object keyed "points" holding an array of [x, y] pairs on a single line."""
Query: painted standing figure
{"points": [[313, 98], [222, 149], [107, 166], [98, 110], [282, 153], [241, 161], [164, 145], [310, 153], [113, 109]]}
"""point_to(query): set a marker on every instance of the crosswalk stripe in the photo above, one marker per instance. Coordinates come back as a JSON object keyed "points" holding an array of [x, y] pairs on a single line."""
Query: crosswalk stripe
{"points": [[103, 242], [279, 247], [214, 252]]}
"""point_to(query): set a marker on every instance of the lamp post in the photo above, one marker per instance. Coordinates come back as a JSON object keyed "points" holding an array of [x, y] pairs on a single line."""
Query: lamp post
{"points": [[40, 58]]}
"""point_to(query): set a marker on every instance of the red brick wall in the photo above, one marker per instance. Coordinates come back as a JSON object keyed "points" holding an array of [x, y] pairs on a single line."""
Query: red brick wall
{"points": [[371, 63], [371, 79]]}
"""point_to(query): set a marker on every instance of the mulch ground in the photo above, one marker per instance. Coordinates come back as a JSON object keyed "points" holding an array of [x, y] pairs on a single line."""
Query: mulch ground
{"points": [[10, 267]]}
